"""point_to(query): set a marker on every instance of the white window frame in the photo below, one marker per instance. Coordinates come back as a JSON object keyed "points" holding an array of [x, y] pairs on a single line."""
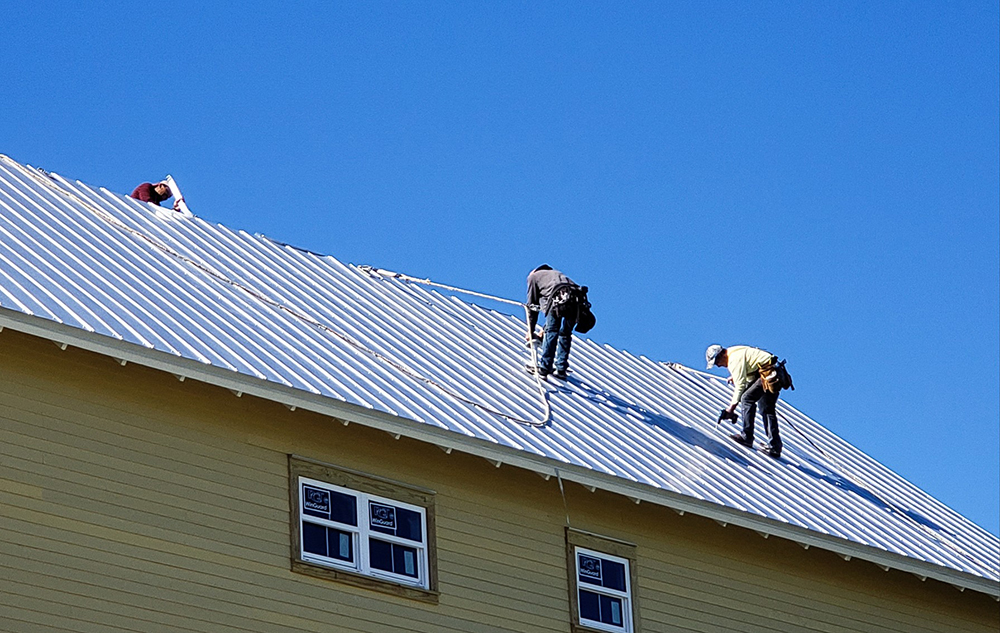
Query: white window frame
{"points": [[624, 596], [612, 550], [361, 534]]}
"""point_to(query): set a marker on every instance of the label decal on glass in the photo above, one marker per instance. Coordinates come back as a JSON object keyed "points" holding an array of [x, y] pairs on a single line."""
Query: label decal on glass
{"points": [[590, 567], [382, 516], [316, 500]]}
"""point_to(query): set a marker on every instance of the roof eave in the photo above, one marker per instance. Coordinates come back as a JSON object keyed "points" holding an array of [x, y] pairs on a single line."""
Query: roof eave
{"points": [[64, 335]]}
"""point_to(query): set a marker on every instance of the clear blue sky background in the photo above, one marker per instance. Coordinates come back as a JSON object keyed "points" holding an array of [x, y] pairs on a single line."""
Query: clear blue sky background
{"points": [[817, 179]]}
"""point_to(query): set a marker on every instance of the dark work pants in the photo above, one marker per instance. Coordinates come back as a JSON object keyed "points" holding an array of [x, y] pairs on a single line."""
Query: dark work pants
{"points": [[753, 398], [556, 343]]}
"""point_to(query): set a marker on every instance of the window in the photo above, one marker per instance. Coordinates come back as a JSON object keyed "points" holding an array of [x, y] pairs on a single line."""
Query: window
{"points": [[602, 576], [362, 529], [602, 590]]}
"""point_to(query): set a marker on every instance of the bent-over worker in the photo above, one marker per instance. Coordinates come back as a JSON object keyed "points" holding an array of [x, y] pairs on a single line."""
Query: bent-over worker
{"points": [[148, 192], [556, 296], [744, 364]]}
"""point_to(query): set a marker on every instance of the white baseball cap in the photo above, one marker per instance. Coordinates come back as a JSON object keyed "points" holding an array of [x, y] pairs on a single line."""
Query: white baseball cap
{"points": [[711, 353]]}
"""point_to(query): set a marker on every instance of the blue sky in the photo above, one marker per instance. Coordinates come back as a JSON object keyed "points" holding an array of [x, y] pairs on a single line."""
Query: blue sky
{"points": [[822, 181]]}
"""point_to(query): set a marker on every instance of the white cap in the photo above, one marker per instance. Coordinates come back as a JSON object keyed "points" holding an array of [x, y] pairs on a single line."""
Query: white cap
{"points": [[711, 353]]}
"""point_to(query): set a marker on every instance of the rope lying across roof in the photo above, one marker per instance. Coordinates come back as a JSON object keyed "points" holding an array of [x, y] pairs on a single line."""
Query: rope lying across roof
{"points": [[46, 180]]}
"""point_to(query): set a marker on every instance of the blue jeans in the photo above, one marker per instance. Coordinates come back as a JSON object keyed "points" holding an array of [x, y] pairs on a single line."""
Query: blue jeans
{"points": [[556, 343], [753, 396]]}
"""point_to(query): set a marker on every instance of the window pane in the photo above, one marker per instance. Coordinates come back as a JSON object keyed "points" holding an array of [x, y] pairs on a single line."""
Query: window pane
{"points": [[316, 502], [614, 574], [590, 606], [400, 522], [330, 505], [408, 525], [328, 542], [590, 569], [314, 538], [380, 554], [404, 560], [397, 559], [611, 611], [344, 508], [601, 608], [339, 545]]}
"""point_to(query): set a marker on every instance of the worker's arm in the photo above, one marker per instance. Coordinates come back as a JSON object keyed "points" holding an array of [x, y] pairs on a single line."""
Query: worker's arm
{"points": [[739, 373], [531, 300]]}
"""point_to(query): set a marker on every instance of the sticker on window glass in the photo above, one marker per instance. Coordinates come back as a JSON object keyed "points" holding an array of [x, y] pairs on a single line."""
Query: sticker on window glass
{"points": [[316, 502], [383, 517], [590, 569], [616, 612], [345, 546], [410, 563]]}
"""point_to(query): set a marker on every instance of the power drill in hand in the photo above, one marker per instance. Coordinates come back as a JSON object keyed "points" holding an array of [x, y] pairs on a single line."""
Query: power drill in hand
{"points": [[726, 414]]}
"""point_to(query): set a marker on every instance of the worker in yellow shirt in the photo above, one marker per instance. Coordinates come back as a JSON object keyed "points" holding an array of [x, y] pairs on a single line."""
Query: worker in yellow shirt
{"points": [[750, 389]]}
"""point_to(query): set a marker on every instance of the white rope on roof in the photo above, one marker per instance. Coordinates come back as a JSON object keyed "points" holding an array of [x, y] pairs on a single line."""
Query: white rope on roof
{"points": [[543, 421], [542, 391]]}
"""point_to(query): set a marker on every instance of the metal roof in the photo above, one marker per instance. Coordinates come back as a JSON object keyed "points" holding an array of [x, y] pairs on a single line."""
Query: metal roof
{"points": [[96, 269]]}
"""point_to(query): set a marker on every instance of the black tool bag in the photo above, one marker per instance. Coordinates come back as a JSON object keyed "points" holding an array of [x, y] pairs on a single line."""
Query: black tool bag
{"points": [[585, 319], [784, 378], [570, 301]]}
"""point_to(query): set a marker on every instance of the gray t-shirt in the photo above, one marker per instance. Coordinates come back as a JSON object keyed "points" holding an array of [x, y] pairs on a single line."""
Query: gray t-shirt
{"points": [[541, 286]]}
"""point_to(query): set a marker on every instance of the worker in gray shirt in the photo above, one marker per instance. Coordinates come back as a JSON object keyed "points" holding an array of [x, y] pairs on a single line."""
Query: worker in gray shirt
{"points": [[556, 296]]}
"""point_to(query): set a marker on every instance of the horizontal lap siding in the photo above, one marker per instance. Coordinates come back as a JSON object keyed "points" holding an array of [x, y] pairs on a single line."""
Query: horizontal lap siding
{"points": [[133, 502], [132, 509]]}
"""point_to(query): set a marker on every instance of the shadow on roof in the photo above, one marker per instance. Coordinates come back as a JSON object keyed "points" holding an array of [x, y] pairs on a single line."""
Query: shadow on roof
{"points": [[679, 430], [844, 483]]}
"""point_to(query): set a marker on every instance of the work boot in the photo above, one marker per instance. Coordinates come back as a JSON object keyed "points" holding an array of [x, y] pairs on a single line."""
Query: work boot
{"points": [[542, 372], [772, 452], [739, 438], [561, 374]]}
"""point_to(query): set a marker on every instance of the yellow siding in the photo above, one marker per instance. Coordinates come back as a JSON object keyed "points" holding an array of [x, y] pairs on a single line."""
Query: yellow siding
{"points": [[130, 501]]}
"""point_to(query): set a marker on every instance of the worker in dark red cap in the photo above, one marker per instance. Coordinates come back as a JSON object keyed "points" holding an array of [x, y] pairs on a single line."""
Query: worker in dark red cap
{"points": [[148, 192]]}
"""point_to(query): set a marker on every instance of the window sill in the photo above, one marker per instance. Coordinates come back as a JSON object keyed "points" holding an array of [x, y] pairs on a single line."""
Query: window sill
{"points": [[367, 582]]}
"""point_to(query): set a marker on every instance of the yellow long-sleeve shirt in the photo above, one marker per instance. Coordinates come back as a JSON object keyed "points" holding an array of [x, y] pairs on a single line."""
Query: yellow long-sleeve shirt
{"points": [[744, 366]]}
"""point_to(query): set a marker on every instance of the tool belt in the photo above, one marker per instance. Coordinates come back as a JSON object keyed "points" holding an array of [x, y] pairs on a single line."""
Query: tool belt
{"points": [[774, 377], [563, 297], [570, 301]]}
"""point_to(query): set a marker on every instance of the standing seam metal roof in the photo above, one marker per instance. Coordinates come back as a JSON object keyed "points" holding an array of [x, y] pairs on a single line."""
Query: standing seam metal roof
{"points": [[106, 264]]}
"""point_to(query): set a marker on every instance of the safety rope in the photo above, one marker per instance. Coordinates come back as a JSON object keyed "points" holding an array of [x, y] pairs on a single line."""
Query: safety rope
{"points": [[47, 181], [542, 391], [846, 472]]}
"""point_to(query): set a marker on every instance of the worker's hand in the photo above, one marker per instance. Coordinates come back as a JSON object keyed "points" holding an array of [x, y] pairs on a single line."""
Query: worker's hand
{"points": [[729, 380], [728, 415], [731, 409], [177, 205]]}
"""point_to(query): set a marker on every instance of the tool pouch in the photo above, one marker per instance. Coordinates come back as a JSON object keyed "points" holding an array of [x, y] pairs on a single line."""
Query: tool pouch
{"points": [[770, 376], [774, 377]]}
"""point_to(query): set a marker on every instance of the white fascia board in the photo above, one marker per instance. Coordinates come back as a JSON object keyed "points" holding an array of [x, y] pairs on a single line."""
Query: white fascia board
{"points": [[290, 397]]}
